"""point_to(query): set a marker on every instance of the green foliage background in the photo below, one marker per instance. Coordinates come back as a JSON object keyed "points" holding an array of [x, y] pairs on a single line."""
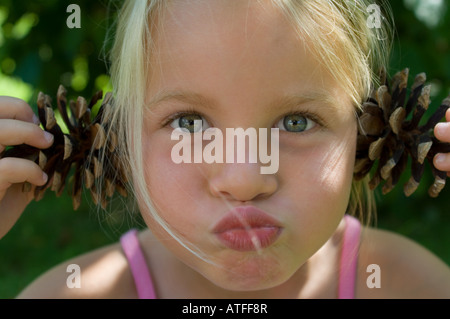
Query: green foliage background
{"points": [[38, 52]]}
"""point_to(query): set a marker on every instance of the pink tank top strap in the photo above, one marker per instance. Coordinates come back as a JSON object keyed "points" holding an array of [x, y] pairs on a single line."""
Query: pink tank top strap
{"points": [[349, 258], [139, 269]]}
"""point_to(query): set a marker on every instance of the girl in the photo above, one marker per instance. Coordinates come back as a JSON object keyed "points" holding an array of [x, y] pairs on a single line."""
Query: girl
{"points": [[224, 230]]}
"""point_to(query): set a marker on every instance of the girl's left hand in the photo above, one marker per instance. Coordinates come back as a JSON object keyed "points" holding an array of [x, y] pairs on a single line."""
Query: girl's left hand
{"points": [[442, 132]]}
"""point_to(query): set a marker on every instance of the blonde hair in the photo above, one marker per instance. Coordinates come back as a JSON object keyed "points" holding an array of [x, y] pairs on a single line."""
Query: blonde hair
{"points": [[337, 33]]}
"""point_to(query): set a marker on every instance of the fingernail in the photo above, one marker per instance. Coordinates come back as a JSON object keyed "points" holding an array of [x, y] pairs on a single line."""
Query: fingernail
{"points": [[439, 159], [44, 177], [36, 119], [48, 136], [440, 129]]}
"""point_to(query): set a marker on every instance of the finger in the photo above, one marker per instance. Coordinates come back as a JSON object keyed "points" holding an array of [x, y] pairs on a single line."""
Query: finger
{"points": [[18, 170], [447, 115], [14, 108], [442, 162], [442, 131], [14, 132]]}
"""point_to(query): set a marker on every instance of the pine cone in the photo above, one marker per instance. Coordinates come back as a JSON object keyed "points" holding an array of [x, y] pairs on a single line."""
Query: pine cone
{"points": [[388, 134], [74, 150]]}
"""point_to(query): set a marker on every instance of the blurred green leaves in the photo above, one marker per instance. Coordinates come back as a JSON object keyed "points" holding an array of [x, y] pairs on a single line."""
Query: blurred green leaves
{"points": [[37, 48]]}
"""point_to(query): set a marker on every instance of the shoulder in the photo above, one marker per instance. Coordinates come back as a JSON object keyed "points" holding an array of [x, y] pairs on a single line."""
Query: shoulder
{"points": [[101, 273], [402, 267]]}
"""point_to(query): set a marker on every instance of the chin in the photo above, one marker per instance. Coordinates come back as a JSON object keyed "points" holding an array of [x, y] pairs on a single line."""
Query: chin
{"points": [[251, 273]]}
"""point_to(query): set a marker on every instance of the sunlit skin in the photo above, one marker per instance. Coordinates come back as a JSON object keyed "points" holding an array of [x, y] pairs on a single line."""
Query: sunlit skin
{"points": [[241, 64]]}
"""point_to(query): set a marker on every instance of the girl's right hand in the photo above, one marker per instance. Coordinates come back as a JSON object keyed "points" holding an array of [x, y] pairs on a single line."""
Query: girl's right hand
{"points": [[18, 125]]}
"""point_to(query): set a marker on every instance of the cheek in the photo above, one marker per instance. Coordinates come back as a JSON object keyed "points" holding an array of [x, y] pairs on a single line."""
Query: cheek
{"points": [[335, 167], [318, 179], [324, 166], [165, 179]]}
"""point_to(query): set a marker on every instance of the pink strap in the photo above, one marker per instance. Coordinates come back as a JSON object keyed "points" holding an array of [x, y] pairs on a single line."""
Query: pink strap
{"points": [[349, 258], [138, 266]]}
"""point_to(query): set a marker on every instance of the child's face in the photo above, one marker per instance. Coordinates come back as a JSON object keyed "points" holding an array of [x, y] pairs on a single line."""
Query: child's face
{"points": [[236, 64]]}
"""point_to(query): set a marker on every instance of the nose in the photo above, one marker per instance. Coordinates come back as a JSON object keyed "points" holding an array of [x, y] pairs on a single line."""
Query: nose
{"points": [[241, 182]]}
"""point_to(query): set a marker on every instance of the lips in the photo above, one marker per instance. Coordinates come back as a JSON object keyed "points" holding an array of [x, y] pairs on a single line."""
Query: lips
{"points": [[247, 228]]}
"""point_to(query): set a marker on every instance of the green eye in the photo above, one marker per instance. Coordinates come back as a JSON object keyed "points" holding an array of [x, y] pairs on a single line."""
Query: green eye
{"points": [[295, 123], [191, 122]]}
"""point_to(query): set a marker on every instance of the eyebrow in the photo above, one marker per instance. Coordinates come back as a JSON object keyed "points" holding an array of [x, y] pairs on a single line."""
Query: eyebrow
{"points": [[182, 96], [321, 97]]}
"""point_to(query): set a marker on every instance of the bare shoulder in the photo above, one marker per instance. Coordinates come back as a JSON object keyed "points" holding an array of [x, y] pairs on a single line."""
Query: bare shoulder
{"points": [[101, 271], [402, 267]]}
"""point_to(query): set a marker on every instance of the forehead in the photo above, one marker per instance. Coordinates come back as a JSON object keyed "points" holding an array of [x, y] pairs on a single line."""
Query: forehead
{"points": [[246, 48], [235, 19], [227, 28]]}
